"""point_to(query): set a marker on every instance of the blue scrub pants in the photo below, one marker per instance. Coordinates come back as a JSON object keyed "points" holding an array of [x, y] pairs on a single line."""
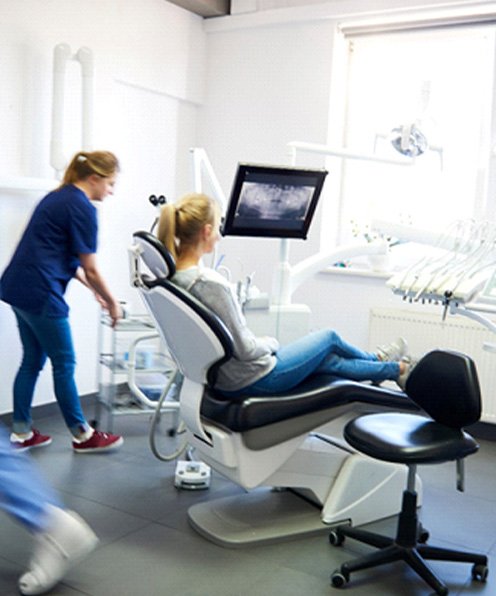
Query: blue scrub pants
{"points": [[44, 337], [24, 494], [321, 352]]}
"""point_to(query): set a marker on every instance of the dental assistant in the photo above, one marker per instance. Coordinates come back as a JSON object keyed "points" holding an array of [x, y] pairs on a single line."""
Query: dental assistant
{"points": [[58, 244]]}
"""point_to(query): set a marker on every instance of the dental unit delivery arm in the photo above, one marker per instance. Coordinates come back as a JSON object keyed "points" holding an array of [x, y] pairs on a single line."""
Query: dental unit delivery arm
{"points": [[460, 273]]}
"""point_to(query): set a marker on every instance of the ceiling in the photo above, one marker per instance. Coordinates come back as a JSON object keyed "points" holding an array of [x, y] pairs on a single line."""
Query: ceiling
{"points": [[205, 8]]}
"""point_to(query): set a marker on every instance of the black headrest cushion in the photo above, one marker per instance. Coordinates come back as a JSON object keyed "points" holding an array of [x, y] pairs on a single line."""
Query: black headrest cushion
{"points": [[445, 385], [156, 257]]}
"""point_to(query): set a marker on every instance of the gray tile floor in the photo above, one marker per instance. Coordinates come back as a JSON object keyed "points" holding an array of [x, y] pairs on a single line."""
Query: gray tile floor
{"points": [[148, 548]]}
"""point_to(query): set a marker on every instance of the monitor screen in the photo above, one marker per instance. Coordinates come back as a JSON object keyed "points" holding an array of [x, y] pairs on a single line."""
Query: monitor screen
{"points": [[273, 201]]}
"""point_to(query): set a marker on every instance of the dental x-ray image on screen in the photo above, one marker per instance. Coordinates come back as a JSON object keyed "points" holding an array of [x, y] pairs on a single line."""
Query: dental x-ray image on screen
{"points": [[273, 201]]}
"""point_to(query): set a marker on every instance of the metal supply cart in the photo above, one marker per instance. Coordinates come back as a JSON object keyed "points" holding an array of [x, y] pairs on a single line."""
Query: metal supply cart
{"points": [[136, 376]]}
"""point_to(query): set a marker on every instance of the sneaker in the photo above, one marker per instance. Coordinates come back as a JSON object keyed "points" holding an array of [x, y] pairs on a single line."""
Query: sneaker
{"points": [[98, 442], [409, 366], [36, 439], [67, 540], [394, 351]]}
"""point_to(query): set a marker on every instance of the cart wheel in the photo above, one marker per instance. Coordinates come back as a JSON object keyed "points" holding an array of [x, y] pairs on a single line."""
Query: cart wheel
{"points": [[336, 538]]}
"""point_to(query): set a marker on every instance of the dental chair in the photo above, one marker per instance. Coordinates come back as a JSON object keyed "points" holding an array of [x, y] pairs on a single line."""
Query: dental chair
{"points": [[299, 481]]}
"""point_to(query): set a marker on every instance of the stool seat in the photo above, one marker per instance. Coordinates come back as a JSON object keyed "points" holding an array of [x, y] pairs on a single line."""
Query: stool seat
{"points": [[408, 438]]}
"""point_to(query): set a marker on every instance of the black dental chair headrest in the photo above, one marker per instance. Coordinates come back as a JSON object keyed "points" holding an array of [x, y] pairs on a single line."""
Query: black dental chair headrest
{"points": [[155, 256]]}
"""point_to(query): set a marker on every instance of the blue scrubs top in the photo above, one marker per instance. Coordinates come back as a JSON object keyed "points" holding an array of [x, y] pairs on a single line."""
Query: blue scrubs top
{"points": [[63, 226]]}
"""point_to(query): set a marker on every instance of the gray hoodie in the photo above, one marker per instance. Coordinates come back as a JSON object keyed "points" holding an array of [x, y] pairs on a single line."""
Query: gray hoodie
{"points": [[253, 357]]}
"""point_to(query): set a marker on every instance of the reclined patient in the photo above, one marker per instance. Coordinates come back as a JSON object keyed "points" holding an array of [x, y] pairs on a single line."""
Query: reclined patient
{"points": [[189, 229]]}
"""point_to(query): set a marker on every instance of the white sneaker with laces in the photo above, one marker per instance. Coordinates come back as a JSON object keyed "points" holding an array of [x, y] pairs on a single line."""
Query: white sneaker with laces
{"points": [[394, 351], [67, 540], [409, 364]]}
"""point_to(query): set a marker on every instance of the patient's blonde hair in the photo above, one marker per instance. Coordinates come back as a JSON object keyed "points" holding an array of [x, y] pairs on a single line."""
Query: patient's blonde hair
{"points": [[181, 222]]}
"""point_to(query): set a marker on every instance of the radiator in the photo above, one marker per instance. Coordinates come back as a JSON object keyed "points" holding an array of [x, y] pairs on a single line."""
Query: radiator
{"points": [[426, 331]]}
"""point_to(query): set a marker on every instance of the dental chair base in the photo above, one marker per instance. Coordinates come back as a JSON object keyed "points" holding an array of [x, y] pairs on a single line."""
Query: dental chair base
{"points": [[261, 516], [322, 484]]}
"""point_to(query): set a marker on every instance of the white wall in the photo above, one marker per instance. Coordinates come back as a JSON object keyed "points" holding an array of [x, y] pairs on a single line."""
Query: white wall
{"points": [[265, 86], [149, 84]]}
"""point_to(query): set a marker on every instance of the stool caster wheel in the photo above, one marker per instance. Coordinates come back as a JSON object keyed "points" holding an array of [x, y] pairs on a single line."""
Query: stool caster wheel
{"points": [[423, 536], [480, 572], [339, 579]]}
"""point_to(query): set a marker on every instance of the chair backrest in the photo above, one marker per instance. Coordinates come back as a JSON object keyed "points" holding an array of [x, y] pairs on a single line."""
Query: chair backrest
{"points": [[445, 385], [197, 339]]}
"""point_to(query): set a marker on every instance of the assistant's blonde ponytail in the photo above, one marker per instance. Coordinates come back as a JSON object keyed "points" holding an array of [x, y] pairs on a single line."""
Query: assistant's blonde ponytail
{"points": [[86, 163]]}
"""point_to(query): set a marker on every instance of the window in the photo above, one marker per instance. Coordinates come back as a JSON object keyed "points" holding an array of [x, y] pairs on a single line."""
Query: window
{"points": [[441, 82]]}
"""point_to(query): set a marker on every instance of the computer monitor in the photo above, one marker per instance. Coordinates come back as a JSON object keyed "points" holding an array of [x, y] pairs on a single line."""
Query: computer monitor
{"points": [[273, 201]]}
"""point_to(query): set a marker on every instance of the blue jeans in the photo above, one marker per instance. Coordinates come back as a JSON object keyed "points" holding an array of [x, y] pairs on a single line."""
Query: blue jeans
{"points": [[43, 336], [321, 352], [24, 494]]}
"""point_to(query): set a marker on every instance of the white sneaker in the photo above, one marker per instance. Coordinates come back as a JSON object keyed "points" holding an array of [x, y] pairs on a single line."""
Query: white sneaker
{"points": [[410, 364], [394, 351], [67, 540]]}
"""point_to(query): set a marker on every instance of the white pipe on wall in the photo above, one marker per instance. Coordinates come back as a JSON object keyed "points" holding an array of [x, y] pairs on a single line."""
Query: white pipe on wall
{"points": [[85, 57], [61, 54]]}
